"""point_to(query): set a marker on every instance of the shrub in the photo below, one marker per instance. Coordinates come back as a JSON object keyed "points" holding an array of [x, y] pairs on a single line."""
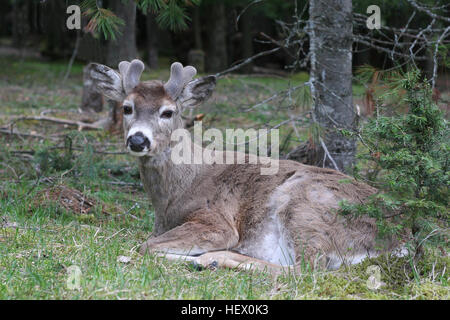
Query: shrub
{"points": [[408, 159]]}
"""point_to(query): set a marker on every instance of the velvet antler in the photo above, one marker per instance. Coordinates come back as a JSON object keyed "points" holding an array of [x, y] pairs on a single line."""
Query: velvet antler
{"points": [[179, 77], [131, 74]]}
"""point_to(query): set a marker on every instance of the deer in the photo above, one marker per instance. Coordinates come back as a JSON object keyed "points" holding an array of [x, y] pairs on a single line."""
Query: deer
{"points": [[229, 215]]}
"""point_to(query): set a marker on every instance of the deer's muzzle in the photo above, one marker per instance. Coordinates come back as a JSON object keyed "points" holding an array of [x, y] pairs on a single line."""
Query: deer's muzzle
{"points": [[138, 142]]}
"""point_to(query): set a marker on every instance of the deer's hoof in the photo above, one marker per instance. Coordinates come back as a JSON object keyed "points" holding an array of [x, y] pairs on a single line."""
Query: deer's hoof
{"points": [[196, 266], [199, 266]]}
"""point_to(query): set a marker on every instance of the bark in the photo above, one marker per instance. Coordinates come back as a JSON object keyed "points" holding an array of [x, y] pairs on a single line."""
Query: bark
{"points": [[247, 39], [216, 53], [91, 100], [20, 22], [92, 49], [307, 153], [124, 46], [331, 77], [115, 117], [196, 25], [15, 25], [152, 41], [429, 63], [363, 56], [58, 40], [6, 17], [196, 58]]}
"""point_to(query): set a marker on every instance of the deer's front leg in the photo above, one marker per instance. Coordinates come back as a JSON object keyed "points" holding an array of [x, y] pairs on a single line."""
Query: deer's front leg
{"points": [[234, 260], [194, 237], [206, 245]]}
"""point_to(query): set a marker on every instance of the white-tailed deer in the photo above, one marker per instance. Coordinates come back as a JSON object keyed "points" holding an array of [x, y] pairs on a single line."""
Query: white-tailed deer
{"points": [[230, 215]]}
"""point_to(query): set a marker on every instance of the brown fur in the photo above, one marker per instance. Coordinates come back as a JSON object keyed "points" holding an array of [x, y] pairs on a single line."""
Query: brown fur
{"points": [[224, 208], [150, 94], [231, 215]]}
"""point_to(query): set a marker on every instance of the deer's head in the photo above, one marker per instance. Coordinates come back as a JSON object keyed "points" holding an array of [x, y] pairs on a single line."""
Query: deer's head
{"points": [[151, 109]]}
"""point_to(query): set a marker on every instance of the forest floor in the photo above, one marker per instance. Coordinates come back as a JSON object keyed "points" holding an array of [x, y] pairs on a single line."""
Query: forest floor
{"points": [[69, 200]]}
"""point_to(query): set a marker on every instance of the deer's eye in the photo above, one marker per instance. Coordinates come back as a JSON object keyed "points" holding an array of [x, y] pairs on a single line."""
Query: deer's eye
{"points": [[127, 110], [167, 114]]}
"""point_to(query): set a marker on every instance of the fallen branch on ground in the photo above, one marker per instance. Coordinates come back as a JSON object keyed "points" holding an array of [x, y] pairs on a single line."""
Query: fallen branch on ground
{"points": [[73, 148], [81, 125], [24, 134]]}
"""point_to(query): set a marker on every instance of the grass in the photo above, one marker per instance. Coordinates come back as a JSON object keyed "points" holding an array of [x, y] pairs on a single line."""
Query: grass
{"points": [[36, 255], [40, 239]]}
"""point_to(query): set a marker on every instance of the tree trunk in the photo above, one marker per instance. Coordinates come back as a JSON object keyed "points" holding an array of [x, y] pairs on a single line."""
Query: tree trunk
{"points": [[92, 49], [196, 56], [124, 46], [363, 56], [216, 53], [58, 39], [331, 33], [91, 99], [197, 27], [152, 41], [21, 27], [16, 25], [247, 39]]}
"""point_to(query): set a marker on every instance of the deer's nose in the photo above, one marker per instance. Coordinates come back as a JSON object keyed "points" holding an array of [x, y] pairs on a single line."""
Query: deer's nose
{"points": [[138, 142]]}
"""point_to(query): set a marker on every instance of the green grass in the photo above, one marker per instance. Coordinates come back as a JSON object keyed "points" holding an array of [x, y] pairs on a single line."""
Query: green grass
{"points": [[35, 256], [40, 240]]}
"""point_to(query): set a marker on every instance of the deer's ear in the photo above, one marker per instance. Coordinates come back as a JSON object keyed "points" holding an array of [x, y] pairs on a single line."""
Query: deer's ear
{"points": [[107, 81], [197, 91]]}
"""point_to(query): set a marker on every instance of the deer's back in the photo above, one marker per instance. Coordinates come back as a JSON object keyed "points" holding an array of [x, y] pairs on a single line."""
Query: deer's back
{"points": [[292, 213]]}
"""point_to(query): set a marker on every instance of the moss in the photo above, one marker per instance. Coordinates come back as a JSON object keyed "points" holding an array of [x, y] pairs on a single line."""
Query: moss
{"points": [[404, 275], [338, 286], [87, 218], [428, 290]]}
